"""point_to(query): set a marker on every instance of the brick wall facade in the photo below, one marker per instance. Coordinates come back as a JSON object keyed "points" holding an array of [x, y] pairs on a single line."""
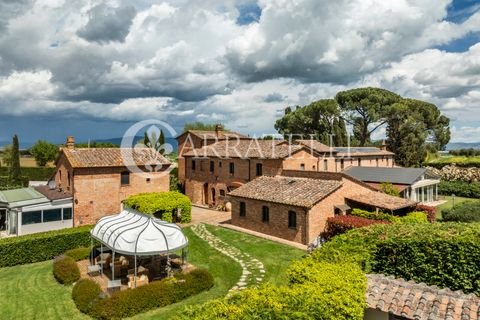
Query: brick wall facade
{"points": [[310, 222], [277, 225], [98, 192], [204, 186]]}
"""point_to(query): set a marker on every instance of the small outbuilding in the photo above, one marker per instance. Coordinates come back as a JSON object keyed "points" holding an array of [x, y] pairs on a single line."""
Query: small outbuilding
{"points": [[34, 209]]}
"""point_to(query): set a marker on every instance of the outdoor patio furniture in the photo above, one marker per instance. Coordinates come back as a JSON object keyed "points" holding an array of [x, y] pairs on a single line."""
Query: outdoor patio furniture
{"points": [[140, 271], [141, 281], [114, 286], [93, 270]]}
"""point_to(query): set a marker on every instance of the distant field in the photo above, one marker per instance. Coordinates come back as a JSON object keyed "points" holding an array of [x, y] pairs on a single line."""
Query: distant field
{"points": [[458, 160], [27, 162]]}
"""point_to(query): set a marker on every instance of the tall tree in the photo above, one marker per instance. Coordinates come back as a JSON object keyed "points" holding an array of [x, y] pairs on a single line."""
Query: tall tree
{"points": [[364, 109], [44, 152], [161, 142], [318, 120], [14, 174], [413, 127]]}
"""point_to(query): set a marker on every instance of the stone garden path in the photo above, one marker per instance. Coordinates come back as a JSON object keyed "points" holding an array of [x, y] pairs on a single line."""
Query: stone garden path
{"points": [[253, 270]]}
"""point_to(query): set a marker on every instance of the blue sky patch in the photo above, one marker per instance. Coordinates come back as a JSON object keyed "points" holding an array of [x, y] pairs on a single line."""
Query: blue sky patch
{"points": [[249, 13]]}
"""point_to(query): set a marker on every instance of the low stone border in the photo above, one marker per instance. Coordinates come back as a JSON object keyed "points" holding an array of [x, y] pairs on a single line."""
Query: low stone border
{"points": [[253, 270]]}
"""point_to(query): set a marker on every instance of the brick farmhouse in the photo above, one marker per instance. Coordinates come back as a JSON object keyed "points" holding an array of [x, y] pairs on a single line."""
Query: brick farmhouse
{"points": [[277, 187], [296, 205], [213, 163], [99, 180]]}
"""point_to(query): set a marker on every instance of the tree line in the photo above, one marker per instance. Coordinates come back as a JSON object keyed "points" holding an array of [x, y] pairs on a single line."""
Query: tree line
{"points": [[413, 127]]}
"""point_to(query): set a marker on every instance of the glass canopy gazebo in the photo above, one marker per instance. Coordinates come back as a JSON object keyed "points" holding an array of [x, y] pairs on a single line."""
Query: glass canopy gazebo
{"points": [[132, 233]]}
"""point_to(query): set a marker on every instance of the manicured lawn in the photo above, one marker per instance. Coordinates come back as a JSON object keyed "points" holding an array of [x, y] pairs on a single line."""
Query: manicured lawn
{"points": [[30, 291], [274, 256], [449, 203]]}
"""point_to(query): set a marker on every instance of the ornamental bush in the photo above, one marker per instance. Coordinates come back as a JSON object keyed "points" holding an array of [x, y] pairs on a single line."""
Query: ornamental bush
{"points": [[157, 294], [374, 215], [326, 291], [464, 212], [42, 246], [443, 254], [78, 254], [431, 212], [65, 270], [85, 293], [341, 224], [414, 217], [162, 205]]}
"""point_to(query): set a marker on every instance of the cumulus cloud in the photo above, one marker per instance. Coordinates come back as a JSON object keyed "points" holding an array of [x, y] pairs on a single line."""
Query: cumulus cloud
{"points": [[107, 23], [338, 41], [190, 60]]}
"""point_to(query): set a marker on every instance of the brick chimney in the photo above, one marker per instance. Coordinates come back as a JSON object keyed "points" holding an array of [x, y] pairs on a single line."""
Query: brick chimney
{"points": [[383, 147], [218, 129], [70, 142]]}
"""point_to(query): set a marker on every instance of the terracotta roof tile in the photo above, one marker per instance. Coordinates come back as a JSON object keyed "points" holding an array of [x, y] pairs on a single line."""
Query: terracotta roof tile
{"points": [[316, 145], [418, 301], [301, 192], [113, 157], [264, 149], [382, 200]]}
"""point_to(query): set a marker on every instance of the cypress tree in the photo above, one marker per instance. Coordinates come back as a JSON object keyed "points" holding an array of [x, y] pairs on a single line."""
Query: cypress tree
{"points": [[14, 174]]}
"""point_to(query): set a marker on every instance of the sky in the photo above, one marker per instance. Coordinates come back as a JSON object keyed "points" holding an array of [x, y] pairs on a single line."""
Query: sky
{"points": [[93, 68]]}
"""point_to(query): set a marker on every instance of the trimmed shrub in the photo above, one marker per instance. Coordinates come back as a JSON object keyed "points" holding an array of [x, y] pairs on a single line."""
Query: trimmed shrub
{"points": [[465, 212], [329, 291], [431, 212], [341, 224], [374, 215], [459, 188], [157, 294], [162, 205], [414, 217], [85, 293], [65, 270], [443, 254], [78, 254], [42, 246]]}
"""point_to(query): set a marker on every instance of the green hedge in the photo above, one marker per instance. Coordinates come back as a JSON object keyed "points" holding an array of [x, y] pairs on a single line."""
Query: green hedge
{"points": [[468, 211], [42, 246], [162, 205], [78, 253], [65, 270], [443, 254], [411, 217], [85, 294], [459, 188], [329, 291], [374, 215], [157, 294]]}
